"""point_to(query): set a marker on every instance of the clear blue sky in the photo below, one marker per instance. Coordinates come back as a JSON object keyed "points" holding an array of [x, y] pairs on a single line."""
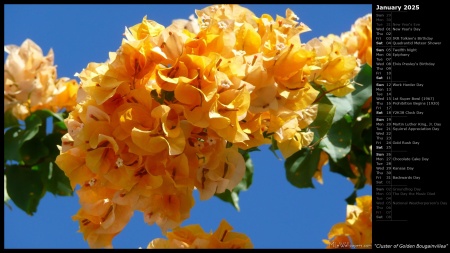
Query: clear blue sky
{"points": [[274, 214]]}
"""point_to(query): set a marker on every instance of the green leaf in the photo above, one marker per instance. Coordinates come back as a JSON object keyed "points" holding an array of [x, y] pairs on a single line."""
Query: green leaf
{"points": [[351, 103], [343, 105], [359, 158], [57, 120], [51, 141], [10, 120], [59, 183], [358, 139], [24, 187], [267, 134], [248, 176], [5, 194], [11, 144], [274, 147], [64, 114], [232, 197], [45, 113], [352, 198], [362, 93], [361, 182], [43, 126], [55, 180], [32, 151], [324, 118], [32, 124], [367, 138], [339, 140], [342, 166], [251, 149], [167, 95], [155, 96], [301, 166], [59, 126]]}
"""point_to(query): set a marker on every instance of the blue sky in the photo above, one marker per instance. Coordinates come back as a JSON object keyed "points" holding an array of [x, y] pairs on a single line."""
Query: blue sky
{"points": [[274, 214]]}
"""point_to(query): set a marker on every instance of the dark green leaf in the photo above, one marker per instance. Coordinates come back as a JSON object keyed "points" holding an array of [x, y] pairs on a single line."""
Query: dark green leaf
{"points": [[248, 176], [301, 166], [59, 126], [54, 179], [361, 182], [343, 105], [342, 166], [357, 133], [51, 141], [339, 139], [351, 103], [274, 147], [64, 114], [324, 118], [5, 193], [352, 198], [367, 137], [230, 197], [32, 151], [359, 158], [167, 95], [44, 170], [318, 87], [10, 120], [11, 144], [45, 113], [32, 124], [267, 134], [24, 187], [251, 149], [59, 183], [44, 116], [155, 96], [363, 91]]}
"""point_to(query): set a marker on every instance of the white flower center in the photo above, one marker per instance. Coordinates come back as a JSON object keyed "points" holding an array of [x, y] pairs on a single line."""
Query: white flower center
{"points": [[225, 84], [222, 25], [199, 144], [119, 162], [280, 46], [239, 52], [211, 141], [205, 18], [92, 182]]}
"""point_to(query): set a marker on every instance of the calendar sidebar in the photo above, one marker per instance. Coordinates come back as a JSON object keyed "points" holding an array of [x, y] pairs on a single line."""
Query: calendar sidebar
{"points": [[410, 134]]}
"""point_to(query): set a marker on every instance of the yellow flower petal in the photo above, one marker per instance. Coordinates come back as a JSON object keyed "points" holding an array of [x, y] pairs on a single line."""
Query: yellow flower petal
{"points": [[290, 146], [154, 144]]}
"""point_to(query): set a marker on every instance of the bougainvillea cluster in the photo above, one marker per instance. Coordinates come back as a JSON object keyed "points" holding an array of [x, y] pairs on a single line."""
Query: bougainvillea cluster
{"points": [[193, 237], [31, 82], [174, 108], [356, 231]]}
